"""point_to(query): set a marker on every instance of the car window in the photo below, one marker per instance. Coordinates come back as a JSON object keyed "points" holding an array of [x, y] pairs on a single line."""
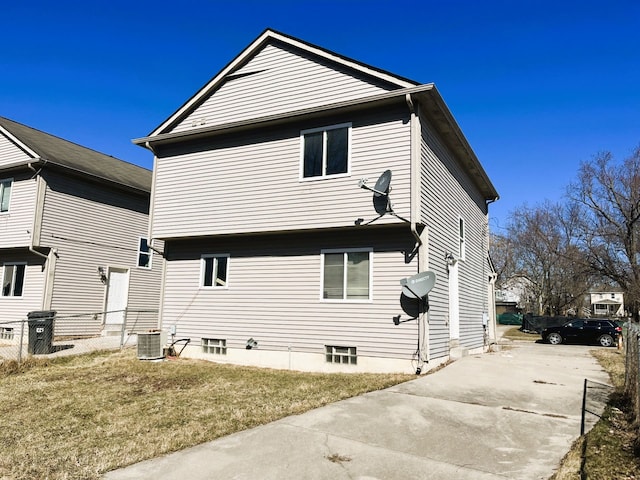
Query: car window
{"points": [[577, 324]]}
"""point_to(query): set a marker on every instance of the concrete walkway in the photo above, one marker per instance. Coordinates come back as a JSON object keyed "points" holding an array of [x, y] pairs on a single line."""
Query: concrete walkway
{"points": [[507, 415]]}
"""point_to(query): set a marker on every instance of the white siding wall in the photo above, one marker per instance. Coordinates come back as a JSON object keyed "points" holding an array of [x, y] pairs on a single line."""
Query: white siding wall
{"points": [[92, 225], [274, 290], [252, 183], [10, 153], [277, 80], [16, 308], [448, 194], [16, 224]]}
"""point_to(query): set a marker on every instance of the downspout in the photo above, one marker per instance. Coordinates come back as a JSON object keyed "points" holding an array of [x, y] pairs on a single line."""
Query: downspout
{"points": [[50, 258], [415, 170], [423, 260], [149, 232]]}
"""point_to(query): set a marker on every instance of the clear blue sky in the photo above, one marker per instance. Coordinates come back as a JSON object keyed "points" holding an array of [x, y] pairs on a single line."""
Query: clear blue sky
{"points": [[536, 86]]}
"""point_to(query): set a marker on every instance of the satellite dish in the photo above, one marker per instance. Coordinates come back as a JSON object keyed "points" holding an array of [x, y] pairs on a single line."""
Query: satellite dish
{"points": [[418, 286], [382, 185]]}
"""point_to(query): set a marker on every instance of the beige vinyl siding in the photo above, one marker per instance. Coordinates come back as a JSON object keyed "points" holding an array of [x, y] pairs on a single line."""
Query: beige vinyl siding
{"points": [[93, 225], [278, 79], [274, 293], [448, 194], [251, 183], [10, 154], [16, 224], [16, 308]]}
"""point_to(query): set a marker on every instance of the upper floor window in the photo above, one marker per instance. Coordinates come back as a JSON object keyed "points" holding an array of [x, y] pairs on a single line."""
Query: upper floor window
{"points": [[13, 279], [346, 275], [461, 236], [325, 151], [144, 253], [5, 194], [214, 270]]}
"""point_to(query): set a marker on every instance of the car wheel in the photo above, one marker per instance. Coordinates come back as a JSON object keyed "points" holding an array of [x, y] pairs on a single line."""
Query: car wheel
{"points": [[605, 340], [554, 338]]}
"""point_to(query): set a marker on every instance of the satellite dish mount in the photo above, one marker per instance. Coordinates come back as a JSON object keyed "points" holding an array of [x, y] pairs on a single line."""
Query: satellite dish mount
{"points": [[381, 200]]}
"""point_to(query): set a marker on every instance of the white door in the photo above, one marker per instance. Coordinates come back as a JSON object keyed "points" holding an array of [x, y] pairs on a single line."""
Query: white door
{"points": [[454, 303], [117, 295]]}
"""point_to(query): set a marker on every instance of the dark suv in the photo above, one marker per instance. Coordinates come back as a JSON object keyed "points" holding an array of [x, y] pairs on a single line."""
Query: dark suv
{"points": [[603, 332]]}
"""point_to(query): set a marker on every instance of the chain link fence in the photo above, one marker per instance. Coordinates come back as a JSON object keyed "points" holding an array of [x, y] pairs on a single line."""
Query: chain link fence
{"points": [[632, 370], [50, 335]]}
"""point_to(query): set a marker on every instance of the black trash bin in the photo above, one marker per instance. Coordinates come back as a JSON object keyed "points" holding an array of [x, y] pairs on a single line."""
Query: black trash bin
{"points": [[41, 331]]}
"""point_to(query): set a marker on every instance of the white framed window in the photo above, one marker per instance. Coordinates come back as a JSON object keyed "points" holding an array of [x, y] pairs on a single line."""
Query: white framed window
{"points": [[215, 346], [346, 274], [145, 254], [342, 355], [5, 194], [461, 237], [325, 151], [214, 270], [13, 279]]}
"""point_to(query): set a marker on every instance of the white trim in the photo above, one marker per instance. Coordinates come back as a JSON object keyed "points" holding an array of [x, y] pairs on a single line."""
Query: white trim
{"points": [[344, 251], [215, 256], [323, 176], [19, 144]]}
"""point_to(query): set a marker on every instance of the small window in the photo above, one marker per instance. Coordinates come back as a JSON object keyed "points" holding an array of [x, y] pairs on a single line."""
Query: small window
{"points": [[325, 151], [342, 355], [346, 275], [215, 346], [13, 279], [461, 235], [214, 271], [5, 194], [6, 333], [144, 253], [613, 295]]}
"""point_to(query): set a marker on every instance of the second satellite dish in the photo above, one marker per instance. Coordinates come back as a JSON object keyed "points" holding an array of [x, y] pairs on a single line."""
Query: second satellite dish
{"points": [[418, 286]]}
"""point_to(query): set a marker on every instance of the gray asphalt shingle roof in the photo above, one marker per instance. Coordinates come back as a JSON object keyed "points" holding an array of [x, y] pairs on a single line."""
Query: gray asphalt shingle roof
{"points": [[70, 155]]}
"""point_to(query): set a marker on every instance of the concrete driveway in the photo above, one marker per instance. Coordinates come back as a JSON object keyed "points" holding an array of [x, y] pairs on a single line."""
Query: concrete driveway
{"points": [[512, 414]]}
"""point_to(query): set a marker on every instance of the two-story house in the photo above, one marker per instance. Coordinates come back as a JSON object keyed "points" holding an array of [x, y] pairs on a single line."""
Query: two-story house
{"points": [[275, 253], [607, 303], [73, 235]]}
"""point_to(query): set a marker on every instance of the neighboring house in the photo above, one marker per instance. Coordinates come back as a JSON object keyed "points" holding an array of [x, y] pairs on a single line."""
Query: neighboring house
{"points": [[272, 255], [73, 235], [607, 303]]}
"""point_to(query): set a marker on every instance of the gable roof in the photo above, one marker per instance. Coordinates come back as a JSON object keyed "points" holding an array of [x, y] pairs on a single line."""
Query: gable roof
{"points": [[49, 149], [271, 36], [396, 89]]}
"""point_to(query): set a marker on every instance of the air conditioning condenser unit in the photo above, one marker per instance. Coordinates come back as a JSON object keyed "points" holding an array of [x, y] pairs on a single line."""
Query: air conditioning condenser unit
{"points": [[151, 345]]}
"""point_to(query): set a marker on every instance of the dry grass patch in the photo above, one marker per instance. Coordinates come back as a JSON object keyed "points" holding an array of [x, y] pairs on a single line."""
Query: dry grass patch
{"points": [[516, 334], [607, 450], [78, 417]]}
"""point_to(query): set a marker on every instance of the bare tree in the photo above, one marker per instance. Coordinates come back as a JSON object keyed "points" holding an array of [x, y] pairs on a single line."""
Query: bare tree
{"points": [[607, 198], [545, 257]]}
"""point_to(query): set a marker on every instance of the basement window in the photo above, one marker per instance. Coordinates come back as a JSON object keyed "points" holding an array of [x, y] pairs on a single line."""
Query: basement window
{"points": [[6, 333], [342, 355], [215, 346]]}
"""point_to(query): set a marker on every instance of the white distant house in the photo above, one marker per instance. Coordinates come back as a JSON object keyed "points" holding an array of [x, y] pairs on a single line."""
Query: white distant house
{"points": [[275, 254], [607, 304]]}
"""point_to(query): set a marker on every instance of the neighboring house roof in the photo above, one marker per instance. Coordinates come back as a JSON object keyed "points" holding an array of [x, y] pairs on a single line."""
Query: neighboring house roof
{"points": [[49, 149], [398, 89]]}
